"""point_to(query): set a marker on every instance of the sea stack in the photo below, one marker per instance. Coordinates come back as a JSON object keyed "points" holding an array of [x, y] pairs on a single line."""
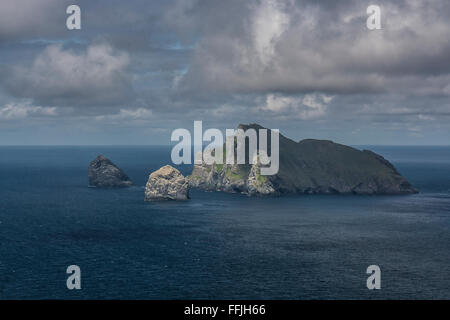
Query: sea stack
{"points": [[306, 167], [105, 174], [166, 183]]}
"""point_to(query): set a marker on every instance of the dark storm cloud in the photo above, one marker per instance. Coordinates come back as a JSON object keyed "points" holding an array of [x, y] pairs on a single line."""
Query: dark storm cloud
{"points": [[281, 63], [298, 47], [24, 19]]}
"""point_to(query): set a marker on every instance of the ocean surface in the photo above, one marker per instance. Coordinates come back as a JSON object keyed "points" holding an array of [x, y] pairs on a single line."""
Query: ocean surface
{"points": [[217, 245]]}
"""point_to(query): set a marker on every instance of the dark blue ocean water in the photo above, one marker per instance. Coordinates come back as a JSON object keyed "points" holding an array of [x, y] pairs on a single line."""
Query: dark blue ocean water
{"points": [[216, 245]]}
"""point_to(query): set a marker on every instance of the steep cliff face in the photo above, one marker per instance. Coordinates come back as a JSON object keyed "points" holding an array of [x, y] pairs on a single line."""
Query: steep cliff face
{"points": [[259, 184], [105, 174], [309, 166], [231, 178]]}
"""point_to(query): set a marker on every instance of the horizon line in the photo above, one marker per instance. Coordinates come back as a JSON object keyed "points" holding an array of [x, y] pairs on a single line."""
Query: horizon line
{"points": [[169, 145]]}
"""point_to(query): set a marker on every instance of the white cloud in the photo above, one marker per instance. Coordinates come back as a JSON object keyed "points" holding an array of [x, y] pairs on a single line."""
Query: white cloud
{"points": [[61, 77], [13, 111], [279, 103], [310, 106], [127, 114], [425, 117]]}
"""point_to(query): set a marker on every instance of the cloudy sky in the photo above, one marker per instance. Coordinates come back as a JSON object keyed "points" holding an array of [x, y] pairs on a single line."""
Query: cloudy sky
{"points": [[139, 69]]}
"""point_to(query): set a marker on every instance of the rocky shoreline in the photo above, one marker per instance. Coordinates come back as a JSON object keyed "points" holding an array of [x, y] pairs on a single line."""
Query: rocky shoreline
{"points": [[305, 167]]}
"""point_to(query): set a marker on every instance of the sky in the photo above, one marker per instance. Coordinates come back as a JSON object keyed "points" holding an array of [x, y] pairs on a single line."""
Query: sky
{"points": [[137, 70]]}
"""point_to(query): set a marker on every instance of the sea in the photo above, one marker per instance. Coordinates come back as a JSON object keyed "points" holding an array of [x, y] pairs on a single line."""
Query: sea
{"points": [[216, 245]]}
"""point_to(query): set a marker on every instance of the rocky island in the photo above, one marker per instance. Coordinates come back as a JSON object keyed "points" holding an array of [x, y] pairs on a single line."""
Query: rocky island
{"points": [[167, 183], [306, 167], [105, 174]]}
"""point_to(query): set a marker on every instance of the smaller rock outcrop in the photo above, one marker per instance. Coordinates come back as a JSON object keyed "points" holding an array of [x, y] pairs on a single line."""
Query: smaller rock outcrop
{"points": [[166, 183], [105, 174]]}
